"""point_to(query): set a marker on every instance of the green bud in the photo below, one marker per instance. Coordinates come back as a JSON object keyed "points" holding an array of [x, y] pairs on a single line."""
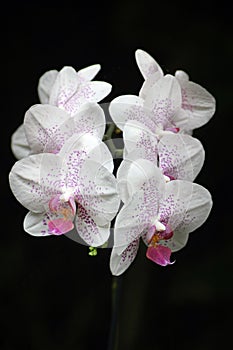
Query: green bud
{"points": [[92, 251]]}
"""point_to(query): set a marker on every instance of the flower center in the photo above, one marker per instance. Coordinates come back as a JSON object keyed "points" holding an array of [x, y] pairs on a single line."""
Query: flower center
{"points": [[168, 177], [161, 130], [63, 209], [158, 232]]}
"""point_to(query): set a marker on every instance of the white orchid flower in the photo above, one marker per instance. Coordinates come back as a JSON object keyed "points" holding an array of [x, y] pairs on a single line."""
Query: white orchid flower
{"points": [[74, 188], [160, 111], [179, 156], [162, 214], [198, 104], [47, 80], [68, 90], [47, 127]]}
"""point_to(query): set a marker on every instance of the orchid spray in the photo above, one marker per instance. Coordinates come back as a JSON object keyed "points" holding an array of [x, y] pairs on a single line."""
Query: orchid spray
{"points": [[65, 174]]}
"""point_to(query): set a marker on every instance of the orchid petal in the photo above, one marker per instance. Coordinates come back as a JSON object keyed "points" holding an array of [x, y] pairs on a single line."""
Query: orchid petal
{"points": [[90, 118], [146, 191], [147, 86], [46, 224], [90, 91], [94, 91], [180, 120], [198, 104], [35, 179], [181, 76], [164, 99], [45, 85], [123, 171], [138, 138], [88, 73], [97, 192], [36, 224], [197, 210], [64, 87], [131, 221], [48, 127], [129, 107], [186, 206], [178, 195], [92, 234], [24, 181], [19, 143], [82, 146], [146, 176], [120, 263], [42, 124], [180, 156], [147, 65]]}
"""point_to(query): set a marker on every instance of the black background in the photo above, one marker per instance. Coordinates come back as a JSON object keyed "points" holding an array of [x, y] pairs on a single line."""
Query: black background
{"points": [[55, 296]]}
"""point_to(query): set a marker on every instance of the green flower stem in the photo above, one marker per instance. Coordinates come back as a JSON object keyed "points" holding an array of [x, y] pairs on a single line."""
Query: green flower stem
{"points": [[110, 131], [114, 329], [116, 152]]}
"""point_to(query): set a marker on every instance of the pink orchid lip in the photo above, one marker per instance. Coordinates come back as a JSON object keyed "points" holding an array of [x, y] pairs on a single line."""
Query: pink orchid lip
{"points": [[60, 226], [65, 211], [155, 251], [159, 254]]}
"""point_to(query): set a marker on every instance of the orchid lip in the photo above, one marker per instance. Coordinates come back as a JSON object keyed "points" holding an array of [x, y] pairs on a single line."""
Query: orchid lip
{"points": [[159, 255], [60, 226], [155, 251]]}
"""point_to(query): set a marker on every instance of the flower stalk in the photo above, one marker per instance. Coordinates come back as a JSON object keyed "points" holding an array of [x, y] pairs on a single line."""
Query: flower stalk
{"points": [[113, 340]]}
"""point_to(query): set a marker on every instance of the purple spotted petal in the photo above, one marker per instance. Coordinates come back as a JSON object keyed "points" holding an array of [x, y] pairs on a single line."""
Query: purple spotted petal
{"points": [[91, 233], [47, 127], [138, 139], [130, 107], [64, 87], [97, 192], [164, 99], [198, 103], [147, 65], [146, 192], [120, 262], [180, 156], [185, 207], [46, 224], [90, 91]]}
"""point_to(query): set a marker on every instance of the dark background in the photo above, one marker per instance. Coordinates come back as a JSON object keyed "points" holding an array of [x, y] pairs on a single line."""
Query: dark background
{"points": [[55, 296]]}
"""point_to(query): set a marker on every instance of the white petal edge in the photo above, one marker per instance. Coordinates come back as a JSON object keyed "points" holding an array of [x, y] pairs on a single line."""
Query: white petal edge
{"points": [[45, 85], [19, 143]]}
